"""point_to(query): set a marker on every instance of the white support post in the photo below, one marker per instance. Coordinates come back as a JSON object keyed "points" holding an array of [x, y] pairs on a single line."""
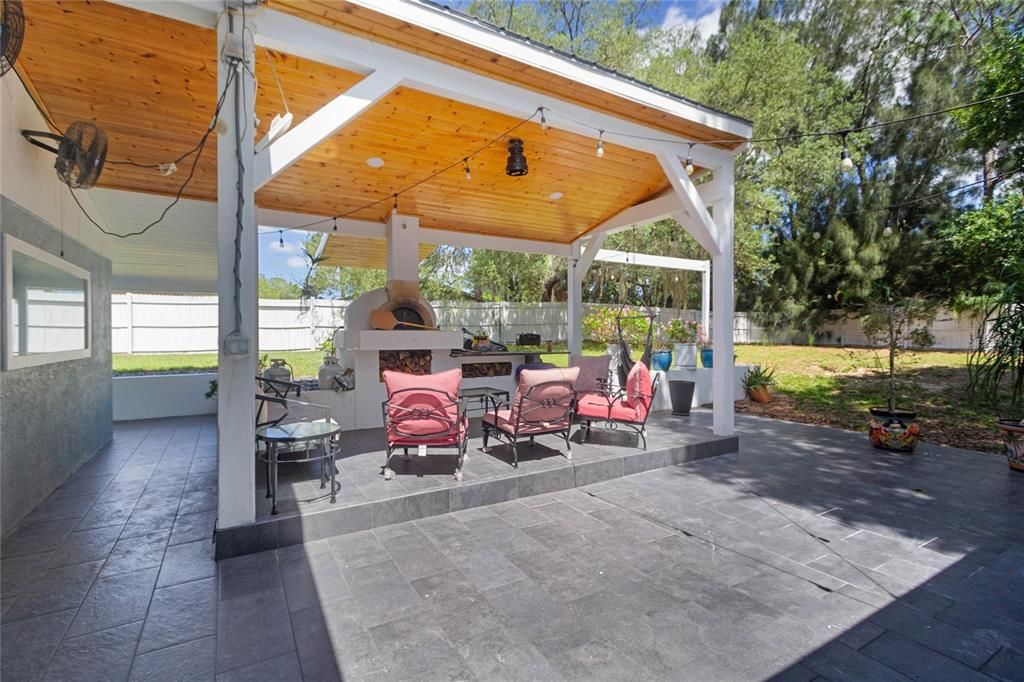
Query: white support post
{"points": [[705, 300], [579, 263], [723, 374], [236, 409], [403, 234]]}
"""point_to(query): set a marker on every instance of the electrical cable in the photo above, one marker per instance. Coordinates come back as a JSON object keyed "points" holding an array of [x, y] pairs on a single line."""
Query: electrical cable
{"points": [[184, 184]]}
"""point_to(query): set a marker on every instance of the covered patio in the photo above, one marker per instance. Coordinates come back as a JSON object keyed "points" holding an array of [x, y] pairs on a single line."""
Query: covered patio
{"points": [[403, 112]]}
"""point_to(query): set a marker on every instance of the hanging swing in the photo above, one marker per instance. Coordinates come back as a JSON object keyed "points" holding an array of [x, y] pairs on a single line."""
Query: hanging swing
{"points": [[626, 362]]}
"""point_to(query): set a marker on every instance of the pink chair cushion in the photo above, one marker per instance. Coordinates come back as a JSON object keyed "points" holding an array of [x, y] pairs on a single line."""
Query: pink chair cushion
{"points": [[561, 393], [440, 410], [595, 406], [592, 368], [451, 437], [638, 386]]}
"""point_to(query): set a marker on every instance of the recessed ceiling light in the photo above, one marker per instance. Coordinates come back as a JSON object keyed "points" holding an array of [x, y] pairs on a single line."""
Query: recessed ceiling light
{"points": [[375, 162], [555, 196]]}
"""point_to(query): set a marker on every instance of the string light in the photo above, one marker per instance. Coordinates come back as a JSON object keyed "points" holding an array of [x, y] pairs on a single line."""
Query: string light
{"points": [[465, 163], [600, 144], [280, 238], [816, 236], [887, 232], [543, 120], [845, 162], [689, 160], [335, 224], [395, 206]]}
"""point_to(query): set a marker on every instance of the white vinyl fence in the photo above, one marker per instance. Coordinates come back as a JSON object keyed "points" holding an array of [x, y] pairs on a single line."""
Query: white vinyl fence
{"points": [[188, 324]]}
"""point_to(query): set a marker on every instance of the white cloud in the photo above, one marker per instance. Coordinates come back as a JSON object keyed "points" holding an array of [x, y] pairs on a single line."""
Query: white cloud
{"points": [[706, 24], [297, 262]]}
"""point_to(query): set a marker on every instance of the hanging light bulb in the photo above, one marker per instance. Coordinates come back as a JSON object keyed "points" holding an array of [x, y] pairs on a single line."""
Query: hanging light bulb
{"points": [[845, 162], [600, 144], [516, 165], [543, 120], [689, 160], [395, 206], [465, 163], [816, 236], [335, 224], [280, 238], [887, 231]]}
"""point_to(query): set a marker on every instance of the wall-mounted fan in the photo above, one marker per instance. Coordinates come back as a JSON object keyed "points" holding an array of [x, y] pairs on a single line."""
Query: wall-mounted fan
{"points": [[80, 151], [12, 32]]}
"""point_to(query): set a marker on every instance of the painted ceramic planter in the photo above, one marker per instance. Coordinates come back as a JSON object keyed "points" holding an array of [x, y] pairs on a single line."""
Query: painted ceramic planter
{"points": [[896, 430], [1013, 440], [707, 357], [660, 360], [760, 394], [685, 355]]}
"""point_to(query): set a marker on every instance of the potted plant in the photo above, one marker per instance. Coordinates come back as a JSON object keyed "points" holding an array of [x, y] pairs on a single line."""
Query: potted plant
{"points": [[683, 334], [996, 366], [757, 380], [707, 353], [892, 324]]}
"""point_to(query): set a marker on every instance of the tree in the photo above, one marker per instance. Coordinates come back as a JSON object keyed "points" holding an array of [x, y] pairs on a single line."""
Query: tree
{"points": [[278, 288], [507, 276]]}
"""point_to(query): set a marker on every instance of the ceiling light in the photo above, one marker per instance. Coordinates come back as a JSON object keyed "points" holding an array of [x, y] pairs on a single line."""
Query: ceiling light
{"points": [[375, 162], [555, 196], [516, 166]]}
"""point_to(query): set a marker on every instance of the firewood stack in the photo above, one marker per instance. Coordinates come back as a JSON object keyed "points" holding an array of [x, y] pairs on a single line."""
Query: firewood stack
{"points": [[408, 361], [475, 370]]}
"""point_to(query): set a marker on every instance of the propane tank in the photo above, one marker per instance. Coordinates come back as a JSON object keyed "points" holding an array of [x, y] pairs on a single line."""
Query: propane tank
{"points": [[279, 370], [328, 371]]}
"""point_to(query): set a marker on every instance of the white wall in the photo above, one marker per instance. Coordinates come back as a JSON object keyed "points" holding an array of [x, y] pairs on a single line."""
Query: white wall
{"points": [[162, 395]]}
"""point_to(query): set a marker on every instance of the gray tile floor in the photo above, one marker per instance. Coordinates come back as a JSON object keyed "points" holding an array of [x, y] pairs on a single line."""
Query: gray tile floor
{"points": [[806, 555]]}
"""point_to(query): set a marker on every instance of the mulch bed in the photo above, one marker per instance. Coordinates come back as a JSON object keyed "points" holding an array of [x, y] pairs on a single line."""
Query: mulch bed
{"points": [[940, 429]]}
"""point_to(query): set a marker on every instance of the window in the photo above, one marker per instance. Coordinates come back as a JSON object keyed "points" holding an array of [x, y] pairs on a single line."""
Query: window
{"points": [[47, 305]]}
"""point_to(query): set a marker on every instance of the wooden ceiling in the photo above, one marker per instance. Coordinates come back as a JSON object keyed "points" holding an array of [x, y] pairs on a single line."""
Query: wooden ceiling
{"points": [[150, 83], [346, 251]]}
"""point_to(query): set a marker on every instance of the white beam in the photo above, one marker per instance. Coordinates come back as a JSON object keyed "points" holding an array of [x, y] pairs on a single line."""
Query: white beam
{"points": [[666, 262], [698, 221], [196, 12], [323, 123], [705, 300], [473, 240], [236, 413], [579, 263], [290, 34], [722, 391]]}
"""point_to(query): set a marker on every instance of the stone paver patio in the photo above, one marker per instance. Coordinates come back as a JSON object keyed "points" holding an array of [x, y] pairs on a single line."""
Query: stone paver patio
{"points": [[807, 555]]}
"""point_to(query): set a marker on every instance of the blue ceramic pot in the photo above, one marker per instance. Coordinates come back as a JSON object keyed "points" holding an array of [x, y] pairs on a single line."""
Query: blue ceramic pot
{"points": [[707, 356], [660, 360]]}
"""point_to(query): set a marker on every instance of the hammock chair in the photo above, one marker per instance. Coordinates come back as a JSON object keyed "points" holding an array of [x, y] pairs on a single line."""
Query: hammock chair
{"points": [[626, 362]]}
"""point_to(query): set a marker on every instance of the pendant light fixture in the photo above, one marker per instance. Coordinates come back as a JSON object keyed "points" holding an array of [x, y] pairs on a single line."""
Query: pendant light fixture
{"points": [[516, 166], [600, 144], [689, 160], [543, 120]]}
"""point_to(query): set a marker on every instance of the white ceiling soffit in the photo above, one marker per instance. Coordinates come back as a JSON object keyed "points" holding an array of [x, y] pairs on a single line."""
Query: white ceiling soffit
{"points": [[177, 255]]}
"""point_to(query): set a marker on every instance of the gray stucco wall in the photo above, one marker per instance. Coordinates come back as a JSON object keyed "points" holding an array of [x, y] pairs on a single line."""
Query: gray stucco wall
{"points": [[53, 417]]}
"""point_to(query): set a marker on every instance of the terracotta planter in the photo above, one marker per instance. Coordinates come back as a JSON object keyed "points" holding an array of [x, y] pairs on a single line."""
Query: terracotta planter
{"points": [[1013, 438], [759, 394], [895, 430]]}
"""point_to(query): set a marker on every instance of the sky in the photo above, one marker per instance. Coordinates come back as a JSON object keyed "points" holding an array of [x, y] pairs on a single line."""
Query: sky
{"points": [[288, 262]]}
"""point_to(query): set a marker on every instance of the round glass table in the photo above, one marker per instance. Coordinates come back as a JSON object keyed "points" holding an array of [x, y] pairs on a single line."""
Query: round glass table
{"points": [[296, 443]]}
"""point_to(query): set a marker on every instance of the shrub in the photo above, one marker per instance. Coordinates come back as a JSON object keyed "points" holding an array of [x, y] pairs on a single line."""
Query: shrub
{"points": [[682, 331]]}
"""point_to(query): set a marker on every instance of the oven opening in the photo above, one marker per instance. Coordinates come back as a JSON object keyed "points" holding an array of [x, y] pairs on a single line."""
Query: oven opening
{"points": [[407, 315]]}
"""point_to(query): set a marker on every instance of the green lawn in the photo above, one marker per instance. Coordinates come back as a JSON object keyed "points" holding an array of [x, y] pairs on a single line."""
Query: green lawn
{"points": [[815, 385]]}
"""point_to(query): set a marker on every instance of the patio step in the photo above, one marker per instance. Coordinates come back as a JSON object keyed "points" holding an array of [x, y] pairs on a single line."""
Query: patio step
{"points": [[297, 527]]}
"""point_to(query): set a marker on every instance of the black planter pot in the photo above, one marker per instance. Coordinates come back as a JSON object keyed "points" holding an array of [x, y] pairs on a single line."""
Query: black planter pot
{"points": [[681, 393]]}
